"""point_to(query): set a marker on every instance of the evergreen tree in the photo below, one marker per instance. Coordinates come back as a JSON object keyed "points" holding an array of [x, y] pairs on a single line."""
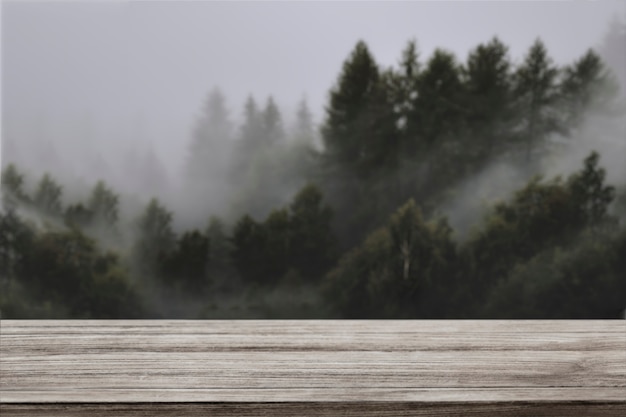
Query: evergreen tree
{"points": [[186, 266], [540, 216], [277, 246], [48, 196], [103, 203], [13, 187], [442, 116], [440, 98], [252, 127], [155, 239], [304, 128], [68, 269], [209, 151], [536, 93], [402, 270], [404, 86], [590, 194], [313, 247], [489, 94], [586, 281], [78, 216], [347, 131], [587, 86], [273, 132], [16, 237], [248, 250], [220, 269], [612, 51]]}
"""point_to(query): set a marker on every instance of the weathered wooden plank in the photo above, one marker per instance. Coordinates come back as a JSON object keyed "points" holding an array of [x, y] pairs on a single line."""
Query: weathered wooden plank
{"points": [[35, 344], [192, 367], [336, 393], [315, 327], [315, 369], [319, 409]]}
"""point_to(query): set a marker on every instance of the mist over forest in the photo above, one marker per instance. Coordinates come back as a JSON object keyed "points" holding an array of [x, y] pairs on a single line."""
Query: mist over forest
{"points": [[443, 186]]}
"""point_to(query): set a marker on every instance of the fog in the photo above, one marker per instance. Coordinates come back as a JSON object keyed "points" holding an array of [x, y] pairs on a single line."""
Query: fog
{"points": [[91, 87], [227, 109]]}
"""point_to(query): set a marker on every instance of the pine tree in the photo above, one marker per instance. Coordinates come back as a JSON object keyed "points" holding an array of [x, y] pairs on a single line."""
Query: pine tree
{"points": [[304, 128], [16, 236], [313, 247], [440, 99], [489, 99], [590, 193], [220, 269], [211, 138], [13, 187], [78, 216], [536, 93], [404, 86], [347, 129], [48, 196], [277, 247], [103, 203], [248, 250], [442, 128], [186, 267], [612, 51], [155, 238], [587, 86], [252, 127], [273, 132]]}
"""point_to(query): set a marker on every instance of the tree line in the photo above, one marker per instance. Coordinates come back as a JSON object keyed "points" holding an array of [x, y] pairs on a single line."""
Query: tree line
{"points": [[352, 227]]}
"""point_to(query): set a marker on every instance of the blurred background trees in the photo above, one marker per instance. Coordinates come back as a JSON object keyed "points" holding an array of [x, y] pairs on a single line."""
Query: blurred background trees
{"points": [[347, 220]]}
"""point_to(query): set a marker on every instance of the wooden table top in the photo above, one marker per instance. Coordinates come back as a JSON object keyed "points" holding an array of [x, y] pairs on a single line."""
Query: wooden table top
{"points": [[312, 367]]}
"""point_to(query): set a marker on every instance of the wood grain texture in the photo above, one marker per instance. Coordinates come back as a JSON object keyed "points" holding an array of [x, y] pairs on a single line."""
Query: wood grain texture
{"points": [[318, 367]]}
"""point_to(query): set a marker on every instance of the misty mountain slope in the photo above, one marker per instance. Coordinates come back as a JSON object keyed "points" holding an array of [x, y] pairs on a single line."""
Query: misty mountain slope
{"points": [[432, 183]]}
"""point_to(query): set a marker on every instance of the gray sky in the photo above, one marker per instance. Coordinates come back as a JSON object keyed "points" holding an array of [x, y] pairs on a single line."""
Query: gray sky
{"points": [[125, 69]]}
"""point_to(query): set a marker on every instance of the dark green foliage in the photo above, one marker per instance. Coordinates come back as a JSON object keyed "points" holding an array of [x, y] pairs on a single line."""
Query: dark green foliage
{"points": [[13, 187], [354, 125], [16, 237], [397, 271], [403, 86], [589, 193], [277, 241], [536, 94], [313, 248], [296, 239], [248, 249], [220, 269], [359, 245], [78, 216], [442, 119], [489, 100], [155, 239], [66, 272], [587, 87], [187, 265], [540, 216], [440, 99], [103, 203], [586, 281], [48, 196]]}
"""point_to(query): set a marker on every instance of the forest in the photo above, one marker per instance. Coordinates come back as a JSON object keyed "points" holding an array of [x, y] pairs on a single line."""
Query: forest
{"points": [[438, 188]]}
